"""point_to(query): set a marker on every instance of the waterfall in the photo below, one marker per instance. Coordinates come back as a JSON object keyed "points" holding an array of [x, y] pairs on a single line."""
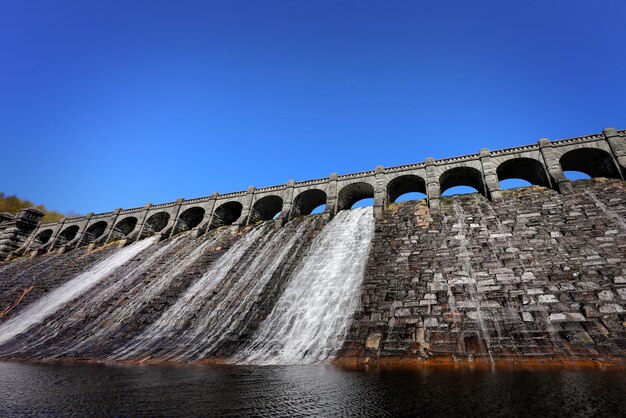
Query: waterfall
{"points": [[311, 318], [188, 306], [53, 301], [168, 304], [91, 323], [607, 211], [197, 324], [237, 300], [472, 292]]}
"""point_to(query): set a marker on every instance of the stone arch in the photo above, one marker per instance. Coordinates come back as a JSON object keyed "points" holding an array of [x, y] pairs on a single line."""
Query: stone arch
{"points": [[305, 202], [67, 235], [352, 193], [155, 223], [95, 231], [592, 161], [226, 214], [125, 226], [405, 184], [190, 218], [43, 237], [266, 208], [527, 169], [462, 176]]}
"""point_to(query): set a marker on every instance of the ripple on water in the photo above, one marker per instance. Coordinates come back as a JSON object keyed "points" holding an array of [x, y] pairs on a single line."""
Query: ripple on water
{"points": [[316, 390]]}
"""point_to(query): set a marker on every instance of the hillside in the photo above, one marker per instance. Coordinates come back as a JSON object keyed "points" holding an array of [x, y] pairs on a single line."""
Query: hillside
{"points": [[12, 204]]}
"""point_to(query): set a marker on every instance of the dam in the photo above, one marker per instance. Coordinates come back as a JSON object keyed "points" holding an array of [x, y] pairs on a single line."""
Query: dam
{"points": [[534, 274]]}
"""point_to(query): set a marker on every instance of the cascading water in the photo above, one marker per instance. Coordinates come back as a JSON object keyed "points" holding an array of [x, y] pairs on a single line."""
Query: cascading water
{"points": [[112, 309], [51, 302], [190, 304], [90, 321], [471, 290], [311, 318], [213, 315], [608, 211], [238, 300]]}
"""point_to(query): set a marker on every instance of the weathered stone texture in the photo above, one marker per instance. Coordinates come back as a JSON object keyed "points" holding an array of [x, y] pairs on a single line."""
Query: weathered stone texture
{"points": [[34, 277], [44, 273], [539, 274]]}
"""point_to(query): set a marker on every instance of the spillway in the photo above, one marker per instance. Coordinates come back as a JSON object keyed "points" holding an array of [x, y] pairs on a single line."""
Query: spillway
{"points": [[211, 312], [312, 316], [53, 301], [538, 276]]}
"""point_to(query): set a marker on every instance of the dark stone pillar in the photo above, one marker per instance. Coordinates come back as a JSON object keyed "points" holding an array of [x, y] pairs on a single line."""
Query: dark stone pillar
{"points": [[379, 192], [490, 177], [205, 225], [116, 215], [288, 201], [618, 146], [247, 207], [331, 196], [179, 201], [432, 184], [554, 166]]}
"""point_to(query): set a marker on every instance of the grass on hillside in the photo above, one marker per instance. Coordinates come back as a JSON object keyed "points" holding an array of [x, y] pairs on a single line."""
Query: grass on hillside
{"points": [[13, 204]]}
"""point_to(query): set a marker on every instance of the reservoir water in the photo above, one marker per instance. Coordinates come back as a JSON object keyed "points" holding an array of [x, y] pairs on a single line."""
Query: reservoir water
{"points": [[304, 390]]}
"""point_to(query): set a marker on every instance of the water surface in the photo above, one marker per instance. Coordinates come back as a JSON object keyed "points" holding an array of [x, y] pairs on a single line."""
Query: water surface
{"points": [[313, 390]]}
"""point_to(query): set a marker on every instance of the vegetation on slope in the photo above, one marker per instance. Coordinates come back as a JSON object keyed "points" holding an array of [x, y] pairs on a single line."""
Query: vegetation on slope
{"points": [[13, 204]]}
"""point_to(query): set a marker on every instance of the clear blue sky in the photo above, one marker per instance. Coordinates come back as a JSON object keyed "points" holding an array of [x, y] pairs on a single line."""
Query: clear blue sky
{"points": [[107, 104]]}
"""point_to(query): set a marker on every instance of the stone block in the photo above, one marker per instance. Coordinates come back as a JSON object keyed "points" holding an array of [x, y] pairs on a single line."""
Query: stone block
{"points": [[605, 295], [610, 308], [431, 322], [373, 341], [547, 299]]}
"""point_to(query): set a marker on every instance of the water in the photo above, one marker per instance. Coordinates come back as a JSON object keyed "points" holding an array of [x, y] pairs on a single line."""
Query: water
{"points": [[210, 312], [314, 390], [187, 306], [172, 258], [607, 211], [98, 322], [50, 303], [471, 290], [513, 315], [74, 313], [310, 320]]}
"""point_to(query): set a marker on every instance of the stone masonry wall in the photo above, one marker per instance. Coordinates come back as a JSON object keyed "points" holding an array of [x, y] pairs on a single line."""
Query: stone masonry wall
{"points": [[539, 275], [68, 330]]}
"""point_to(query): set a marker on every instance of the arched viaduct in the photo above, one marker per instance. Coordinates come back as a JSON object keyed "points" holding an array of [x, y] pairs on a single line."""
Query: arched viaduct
{"points": [[542, 164]]}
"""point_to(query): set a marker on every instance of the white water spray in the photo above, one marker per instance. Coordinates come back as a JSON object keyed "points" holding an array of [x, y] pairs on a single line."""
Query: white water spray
{"points": [[187, 306], [311, 318], [607, 211], [472, 290], [51, 302]]}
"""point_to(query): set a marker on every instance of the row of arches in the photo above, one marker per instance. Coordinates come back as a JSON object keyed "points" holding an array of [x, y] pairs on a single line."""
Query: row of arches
{"points": [[576, 164], [590, 161], [266, 208], [518, 172]]}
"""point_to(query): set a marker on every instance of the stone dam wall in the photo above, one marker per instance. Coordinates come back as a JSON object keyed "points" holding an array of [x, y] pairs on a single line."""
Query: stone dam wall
{"points": [[543, 164], [537, 275]]}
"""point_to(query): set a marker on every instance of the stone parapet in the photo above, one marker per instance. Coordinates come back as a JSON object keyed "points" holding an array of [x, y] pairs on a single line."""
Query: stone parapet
{"points": [[542, 164]]}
